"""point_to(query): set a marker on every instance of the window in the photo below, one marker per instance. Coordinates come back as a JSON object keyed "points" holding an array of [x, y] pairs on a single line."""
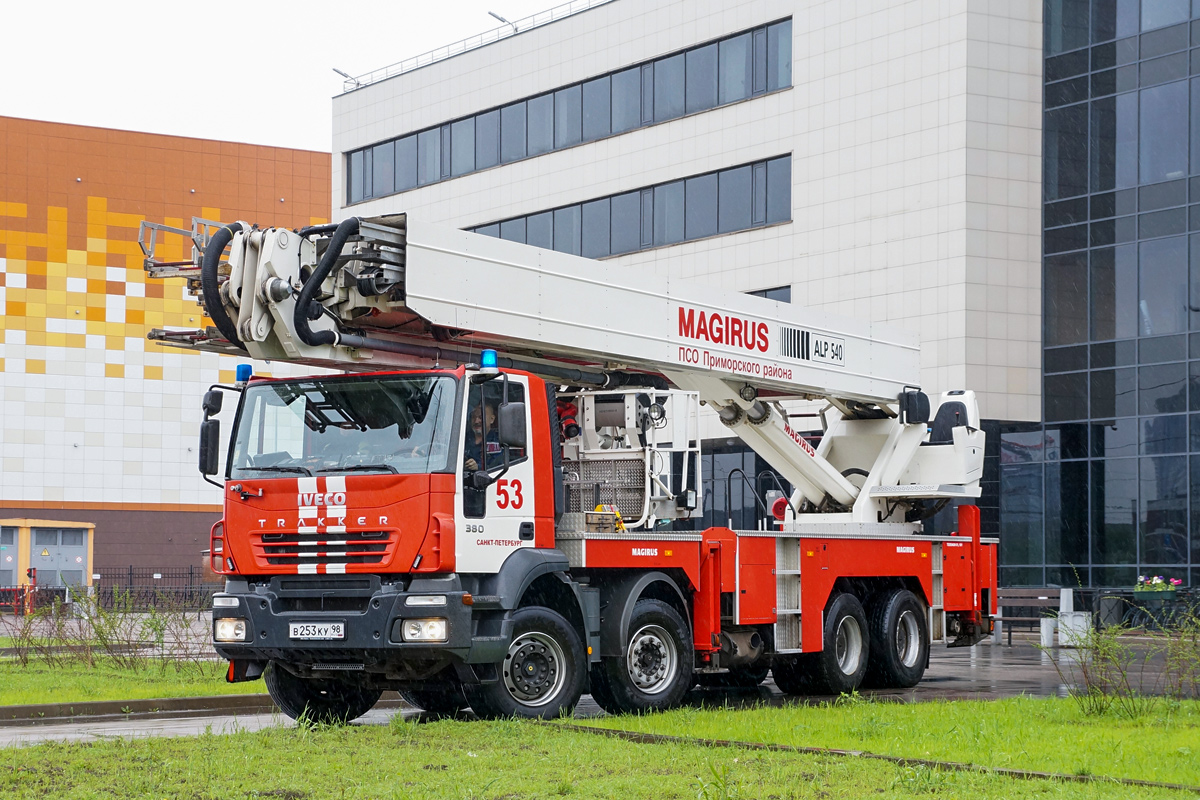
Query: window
{"points": [[597, 108], [487, 140], [1156, 13], [1114, 509], [539, 230], [8, 536], [668, 213], [1162, 286], [72, 538], [1163, 134], [735, 69], [1065, 167], [701, 82], [513, 230], [626, 214], [462, 147], [406, 163], [1066, 25], [734, 199], [1114, 392], [782, 294], [626, 100], [669, 88], [1114, 18], [1066, 512], [383, 168], [512, 132], [1162, 510], [540, 133], [1066, 314], [596, 231], [70, 577], [567, 230], [1066, 396], [429, 156], [702, 77], [481, 441], [45, 537], [568, 116], [734, 203]]}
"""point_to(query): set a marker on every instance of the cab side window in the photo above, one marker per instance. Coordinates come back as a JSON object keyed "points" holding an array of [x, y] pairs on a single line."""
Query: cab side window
{"points": [[481, 440]]}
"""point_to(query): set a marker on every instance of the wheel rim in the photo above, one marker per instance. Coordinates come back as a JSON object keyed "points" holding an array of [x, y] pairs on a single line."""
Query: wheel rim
{"points": [[534, 669], [908, 639], [848, 645], [652, 659]]}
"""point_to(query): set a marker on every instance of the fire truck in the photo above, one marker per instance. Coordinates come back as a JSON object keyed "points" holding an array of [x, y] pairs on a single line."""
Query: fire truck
{"points": [[490, 493]]}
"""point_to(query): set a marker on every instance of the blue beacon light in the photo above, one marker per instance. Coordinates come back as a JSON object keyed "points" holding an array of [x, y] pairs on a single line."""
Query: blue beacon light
{"points": [[244, 371], [487, 360]]}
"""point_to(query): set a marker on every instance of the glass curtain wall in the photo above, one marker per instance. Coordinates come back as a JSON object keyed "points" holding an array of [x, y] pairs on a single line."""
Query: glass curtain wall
{"points": [[1108, 487]]}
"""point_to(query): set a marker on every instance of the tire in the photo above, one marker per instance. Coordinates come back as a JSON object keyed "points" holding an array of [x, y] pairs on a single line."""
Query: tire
{"points": [[899, 640], [748, 677], [846, 647], [327, 701], [440, 696], [793, 674], [656, 670], [541, 676]]}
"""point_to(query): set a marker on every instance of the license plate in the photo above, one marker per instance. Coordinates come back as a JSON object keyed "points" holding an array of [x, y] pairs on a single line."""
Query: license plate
{"points": [[317, 630]]}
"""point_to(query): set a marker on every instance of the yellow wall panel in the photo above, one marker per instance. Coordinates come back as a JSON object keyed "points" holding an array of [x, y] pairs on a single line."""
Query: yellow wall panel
{"points": [[151, 373], [35, 366], [114, 370]]}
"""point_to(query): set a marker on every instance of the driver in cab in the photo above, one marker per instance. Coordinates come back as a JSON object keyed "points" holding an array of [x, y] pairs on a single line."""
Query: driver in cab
{"points": [[477, 443]]}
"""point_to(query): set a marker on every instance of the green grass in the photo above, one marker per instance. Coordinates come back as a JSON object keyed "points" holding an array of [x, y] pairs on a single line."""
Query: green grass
{"points": [[1047, 735], [75, 683], [452, 759]]}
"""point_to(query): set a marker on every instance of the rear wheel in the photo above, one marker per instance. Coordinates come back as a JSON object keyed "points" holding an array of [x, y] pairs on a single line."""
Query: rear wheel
{"points": [[541, 676], [842, 662], [655, 671], [322, 700], [899, 633]]}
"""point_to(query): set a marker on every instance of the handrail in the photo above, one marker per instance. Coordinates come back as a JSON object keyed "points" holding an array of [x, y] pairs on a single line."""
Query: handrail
{"points": [[472, 43], [729, 495]]}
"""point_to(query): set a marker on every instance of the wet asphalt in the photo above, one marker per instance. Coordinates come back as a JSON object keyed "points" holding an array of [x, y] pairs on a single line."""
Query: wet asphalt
{"points": [[985, 671]]}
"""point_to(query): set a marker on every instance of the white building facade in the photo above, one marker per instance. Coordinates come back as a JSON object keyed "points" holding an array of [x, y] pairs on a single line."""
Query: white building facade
{"points": [[879, 160]]}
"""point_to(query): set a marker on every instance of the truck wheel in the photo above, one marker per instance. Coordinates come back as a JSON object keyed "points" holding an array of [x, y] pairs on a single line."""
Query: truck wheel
{"points": [[846, 646], [322, 700], [656, 670], [899, 641], [748, 677], [437, 696], [541, 676]]}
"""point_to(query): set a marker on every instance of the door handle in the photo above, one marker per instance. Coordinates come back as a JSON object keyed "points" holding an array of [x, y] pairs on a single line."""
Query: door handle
{"points": [[526, 532]]}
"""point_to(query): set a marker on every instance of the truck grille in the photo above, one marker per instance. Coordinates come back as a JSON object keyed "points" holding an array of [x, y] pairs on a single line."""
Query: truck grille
{"points": [[298, 549]]}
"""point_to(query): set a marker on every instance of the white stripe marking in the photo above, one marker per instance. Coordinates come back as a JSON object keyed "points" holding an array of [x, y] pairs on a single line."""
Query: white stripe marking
{"points": [[335, 483], [335, 512], [306, 569], [335, 569], [308, 512], [306, 485]]}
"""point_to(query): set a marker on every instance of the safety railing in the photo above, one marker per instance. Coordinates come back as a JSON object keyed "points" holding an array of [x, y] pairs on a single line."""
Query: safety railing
{"points": [[472, 43]]}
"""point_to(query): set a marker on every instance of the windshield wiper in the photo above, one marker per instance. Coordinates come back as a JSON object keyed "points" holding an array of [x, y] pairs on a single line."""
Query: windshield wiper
{"points": [[362, 468], [277, 468]]}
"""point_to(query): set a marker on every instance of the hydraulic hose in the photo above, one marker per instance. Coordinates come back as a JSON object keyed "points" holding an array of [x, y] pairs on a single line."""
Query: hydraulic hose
{"points": [[316, 230], [345, 229], [209, 282]]}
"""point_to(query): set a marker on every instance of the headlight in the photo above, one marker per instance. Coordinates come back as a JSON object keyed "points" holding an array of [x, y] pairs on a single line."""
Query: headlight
{"points": [[423, 630], [224, 602], [229, 630], [425, 600]]}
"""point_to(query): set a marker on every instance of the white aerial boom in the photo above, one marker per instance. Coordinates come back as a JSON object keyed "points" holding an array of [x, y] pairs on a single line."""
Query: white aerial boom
{"points": [[391, 291]]}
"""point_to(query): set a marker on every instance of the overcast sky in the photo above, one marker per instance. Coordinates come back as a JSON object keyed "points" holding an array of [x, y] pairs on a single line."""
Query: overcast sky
{"points": [[256, 71]]}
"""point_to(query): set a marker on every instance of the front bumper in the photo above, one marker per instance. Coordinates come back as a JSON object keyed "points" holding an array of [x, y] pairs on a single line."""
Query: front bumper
{"points": [[371, 612]]}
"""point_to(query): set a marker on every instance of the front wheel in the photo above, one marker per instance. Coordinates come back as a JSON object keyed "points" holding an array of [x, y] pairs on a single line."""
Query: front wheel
{"points": [[655, 671], [541, 676], [321, 700]]}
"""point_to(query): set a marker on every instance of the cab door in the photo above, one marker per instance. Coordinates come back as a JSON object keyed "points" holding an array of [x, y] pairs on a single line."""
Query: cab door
{"points": [[493, 522]]}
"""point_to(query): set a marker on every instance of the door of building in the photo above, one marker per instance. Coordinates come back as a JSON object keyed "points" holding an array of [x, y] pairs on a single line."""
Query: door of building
{"points": [[8, 556]]}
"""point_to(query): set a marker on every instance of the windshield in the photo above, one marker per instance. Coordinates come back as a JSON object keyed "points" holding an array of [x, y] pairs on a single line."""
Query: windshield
{"points": [[396, 424]]}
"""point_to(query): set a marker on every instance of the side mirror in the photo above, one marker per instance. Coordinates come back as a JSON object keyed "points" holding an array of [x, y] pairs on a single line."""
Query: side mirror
{"points": [[212, 402], [210, 445], [914, 407], [510, 424]]}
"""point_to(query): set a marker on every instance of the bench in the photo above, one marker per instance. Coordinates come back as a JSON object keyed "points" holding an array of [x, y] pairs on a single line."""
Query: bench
{"points": [[1043, 599]]}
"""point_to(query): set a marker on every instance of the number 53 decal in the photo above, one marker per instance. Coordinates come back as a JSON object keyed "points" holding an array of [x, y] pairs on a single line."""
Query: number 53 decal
{"points": [[503, 497]]}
